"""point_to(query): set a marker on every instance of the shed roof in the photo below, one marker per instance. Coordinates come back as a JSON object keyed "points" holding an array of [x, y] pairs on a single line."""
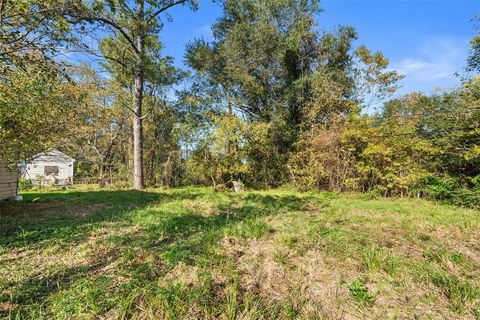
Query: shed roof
{"points": [[51, 155]]}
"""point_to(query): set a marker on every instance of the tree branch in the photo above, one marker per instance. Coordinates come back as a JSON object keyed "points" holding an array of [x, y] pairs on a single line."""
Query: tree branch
{"points": [[147, 114], [110, 23], [172, 4], [120, 29], [115, 60], [2, 6], [31, 13]]}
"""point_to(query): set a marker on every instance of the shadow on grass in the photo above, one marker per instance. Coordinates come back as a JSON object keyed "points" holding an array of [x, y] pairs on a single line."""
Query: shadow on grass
{"points": [[64, 215], [38, 286], [185, 235]]}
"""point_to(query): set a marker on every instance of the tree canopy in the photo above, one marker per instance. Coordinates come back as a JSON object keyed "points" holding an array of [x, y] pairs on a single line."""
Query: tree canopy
{"points": [[271, 100]]}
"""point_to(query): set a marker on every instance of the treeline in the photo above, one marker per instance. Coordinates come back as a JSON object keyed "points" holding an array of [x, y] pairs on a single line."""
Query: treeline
{"points": [[271, 101]]}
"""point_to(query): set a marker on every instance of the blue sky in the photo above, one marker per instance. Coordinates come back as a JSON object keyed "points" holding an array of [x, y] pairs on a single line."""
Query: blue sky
{"points": [[427, 41]]}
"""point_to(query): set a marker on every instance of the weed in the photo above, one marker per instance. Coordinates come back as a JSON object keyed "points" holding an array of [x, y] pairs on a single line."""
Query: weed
{"points": [[231, 303], [375, 259], [457, 257], [425, 237], [280, 257], [253, 228], [476, 312], [360, 292]]}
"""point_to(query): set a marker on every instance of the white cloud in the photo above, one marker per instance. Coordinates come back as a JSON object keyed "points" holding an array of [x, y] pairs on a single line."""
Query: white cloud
{"points": [[434, 64], [426, 71]]}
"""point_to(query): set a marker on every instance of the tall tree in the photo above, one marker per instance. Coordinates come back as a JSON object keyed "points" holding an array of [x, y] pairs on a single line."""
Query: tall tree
{"points": [[134, 25], [260, 49], [272, 64]]}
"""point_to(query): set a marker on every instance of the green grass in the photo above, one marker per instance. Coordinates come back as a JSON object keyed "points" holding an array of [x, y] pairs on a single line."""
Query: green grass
{"points": [[194, 253]]}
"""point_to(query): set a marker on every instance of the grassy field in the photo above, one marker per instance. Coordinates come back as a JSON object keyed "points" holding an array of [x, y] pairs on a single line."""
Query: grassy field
{"points": [[197, 254]]}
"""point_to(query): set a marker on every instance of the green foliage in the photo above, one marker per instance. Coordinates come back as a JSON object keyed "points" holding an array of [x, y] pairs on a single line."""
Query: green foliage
{"points": [[251, 229], [473, 62], [31, 31], [37, 109], [24, 184], [219, 158], [227, 147], [451, 190], [158, 69], [418, 146], [360, 292], [266, 163], [273, 100], [376, 259], [270, 64]]}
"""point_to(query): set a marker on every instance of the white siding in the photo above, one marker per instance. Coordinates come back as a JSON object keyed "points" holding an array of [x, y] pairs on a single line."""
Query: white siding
{"points": [[8, 182], [34, 169], [65, 171]]}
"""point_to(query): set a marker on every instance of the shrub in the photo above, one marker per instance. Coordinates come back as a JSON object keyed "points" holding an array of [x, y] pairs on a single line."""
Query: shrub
{"points": [[25, 184], [449, 190]]}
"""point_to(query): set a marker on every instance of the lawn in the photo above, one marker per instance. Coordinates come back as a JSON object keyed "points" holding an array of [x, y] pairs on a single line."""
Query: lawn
{"points": [[198, 254]]}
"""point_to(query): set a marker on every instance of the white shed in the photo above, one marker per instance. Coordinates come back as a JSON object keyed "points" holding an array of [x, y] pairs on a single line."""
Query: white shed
{"points": [[49, 167]]}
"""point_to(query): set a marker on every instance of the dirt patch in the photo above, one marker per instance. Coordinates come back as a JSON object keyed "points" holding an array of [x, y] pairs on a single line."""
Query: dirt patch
{"points": [[233, 246], [203, 208], [318, 285], [397, 240], [279, 275], [5, 307], [31, 208], [312, 209], [182, 274], [87, 210], [472, 255]]}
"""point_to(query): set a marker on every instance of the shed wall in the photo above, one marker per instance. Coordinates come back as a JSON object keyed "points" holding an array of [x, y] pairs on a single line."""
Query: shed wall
{"points": [[8, 182], [36, 170]]}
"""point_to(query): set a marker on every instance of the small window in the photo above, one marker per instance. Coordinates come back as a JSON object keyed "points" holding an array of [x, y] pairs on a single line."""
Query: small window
{"points": [[51, 170]]}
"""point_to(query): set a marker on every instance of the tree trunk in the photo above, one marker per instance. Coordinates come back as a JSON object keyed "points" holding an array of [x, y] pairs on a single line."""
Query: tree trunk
{"points": [[230, 114], [153, 177], [101, 176], [138, 182]]}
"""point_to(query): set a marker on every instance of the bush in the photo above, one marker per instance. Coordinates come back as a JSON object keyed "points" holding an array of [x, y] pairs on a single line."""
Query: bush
{"points": [[449, 190], [436, 187], [466, 197], [25, 184]]}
